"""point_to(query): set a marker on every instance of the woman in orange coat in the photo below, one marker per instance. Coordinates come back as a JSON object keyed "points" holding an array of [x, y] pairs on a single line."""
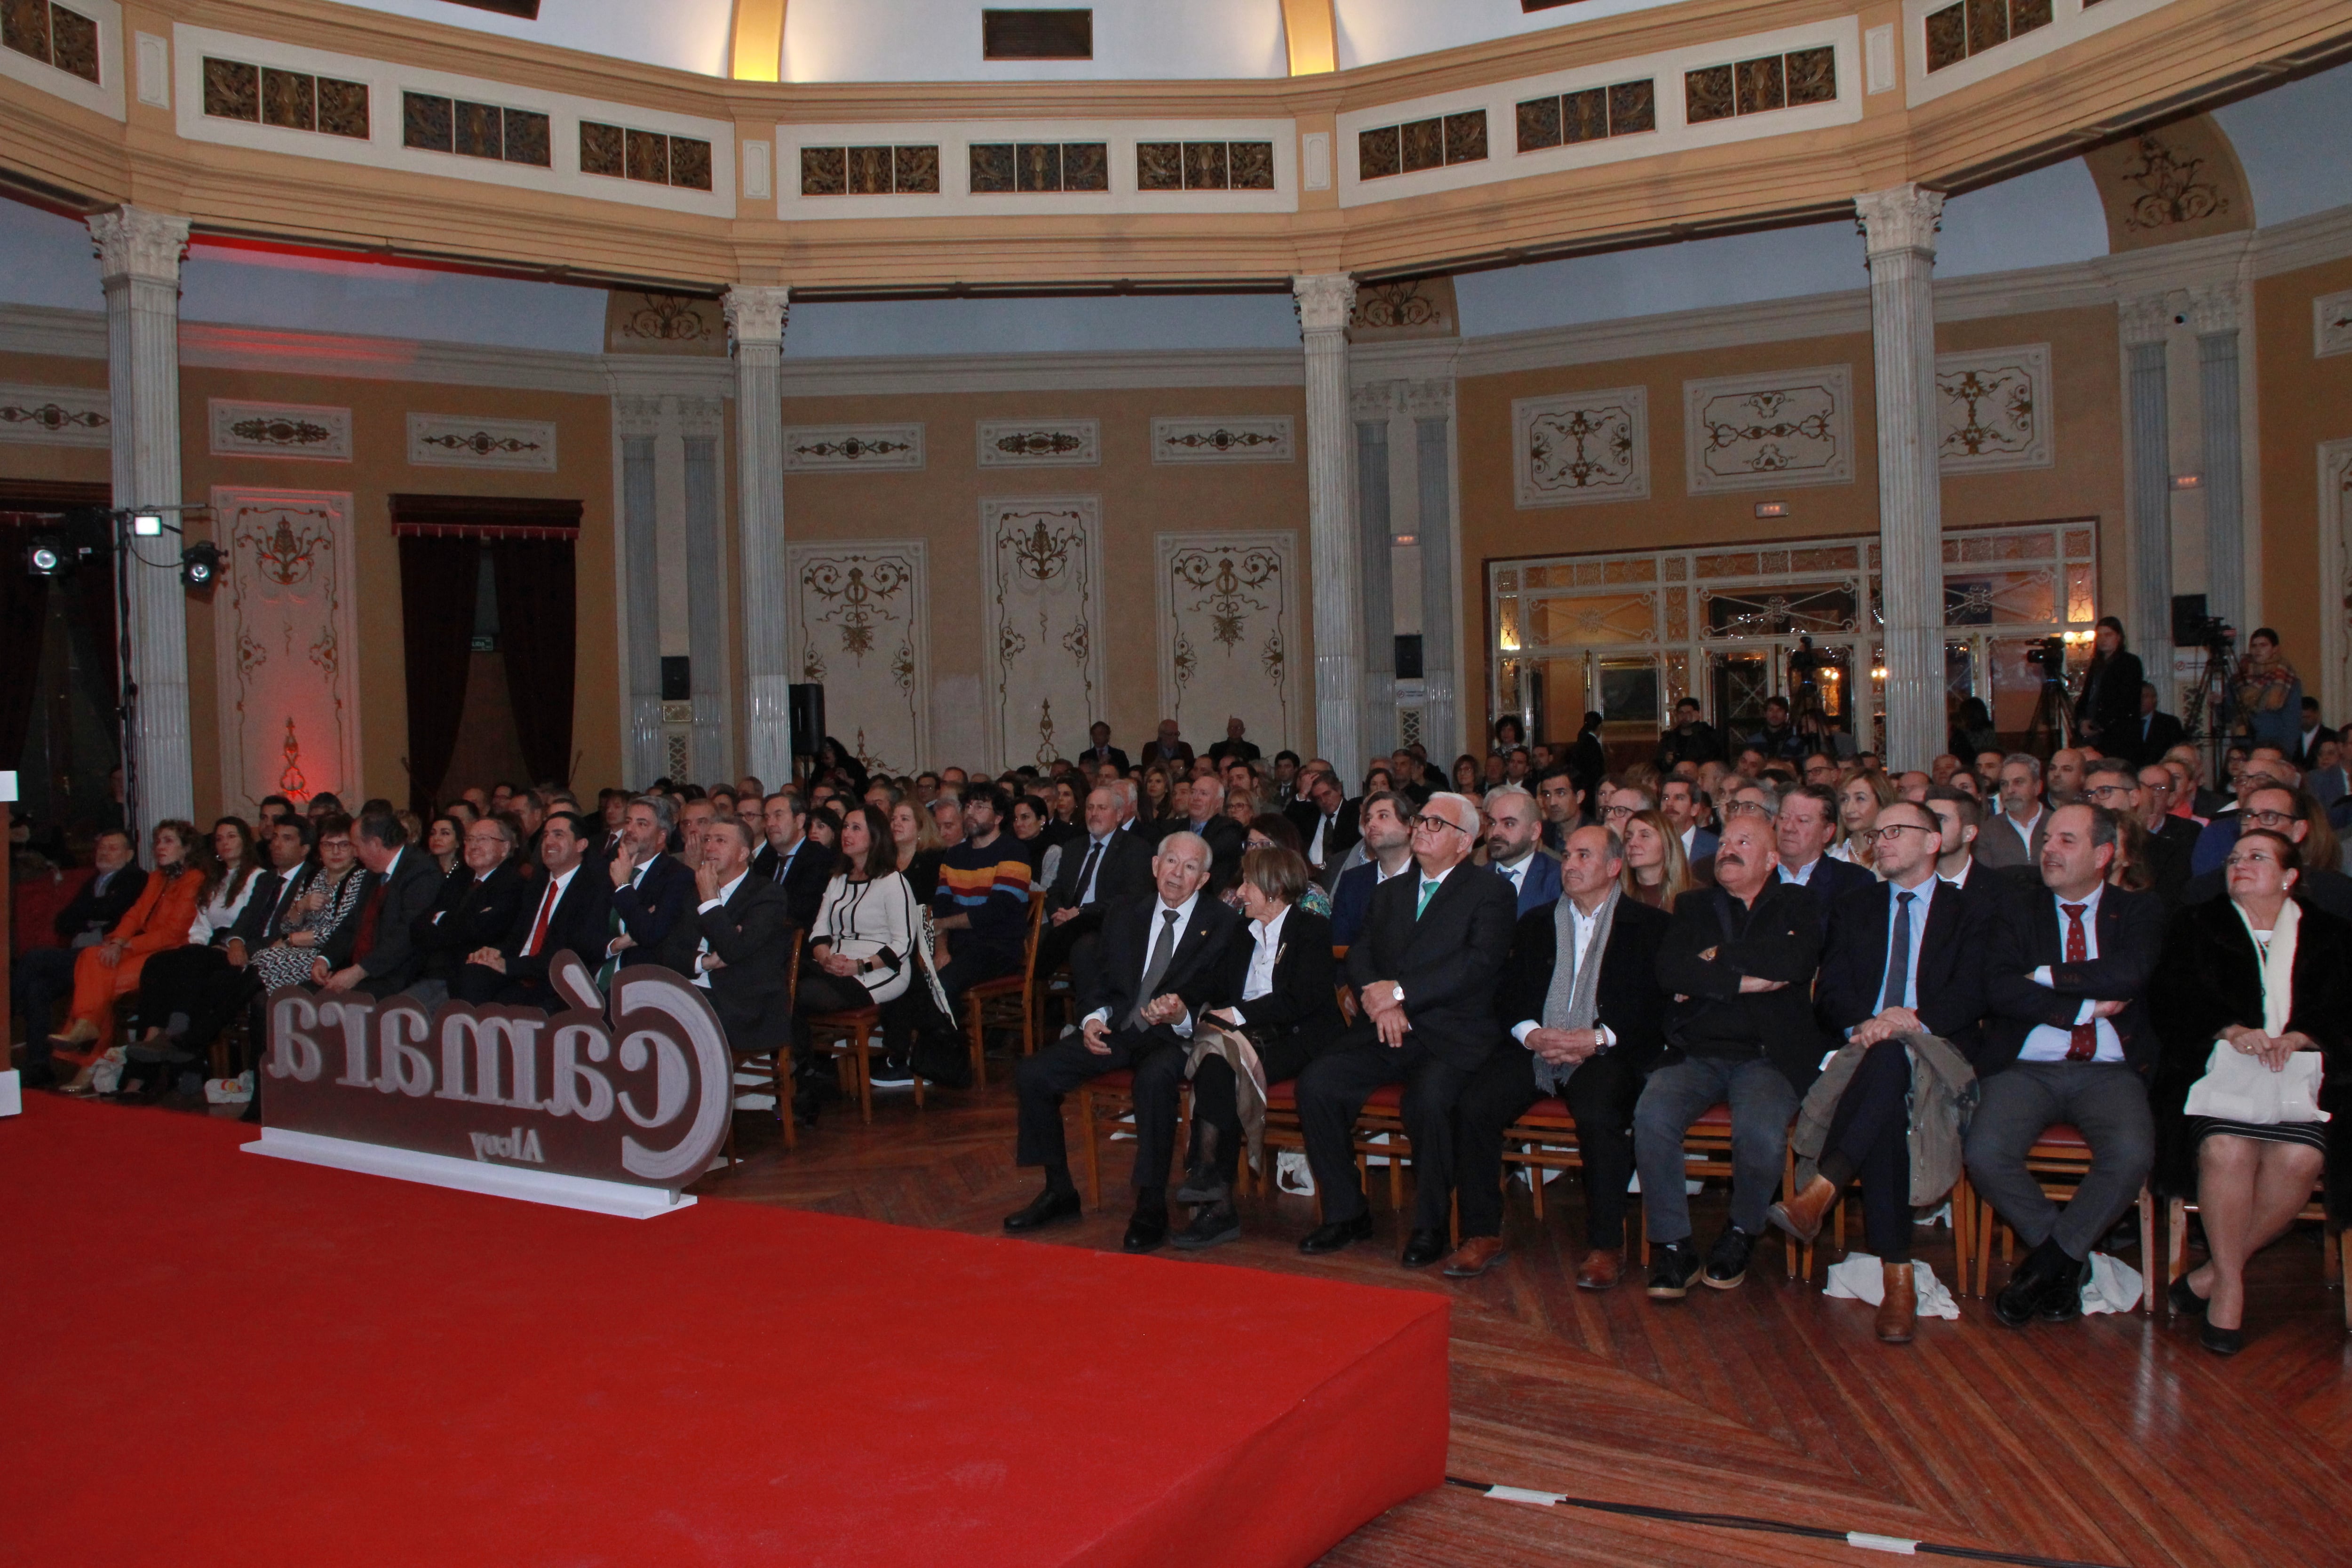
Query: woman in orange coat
{"points": [[160, 920]]}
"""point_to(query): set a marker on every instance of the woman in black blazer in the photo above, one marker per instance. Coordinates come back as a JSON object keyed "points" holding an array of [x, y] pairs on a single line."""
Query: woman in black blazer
{"points": [[1286, 1004], [2250, 1180]]}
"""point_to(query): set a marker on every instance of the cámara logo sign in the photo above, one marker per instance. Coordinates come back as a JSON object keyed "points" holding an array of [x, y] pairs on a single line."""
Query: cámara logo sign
{"points": [[642, 1098]]}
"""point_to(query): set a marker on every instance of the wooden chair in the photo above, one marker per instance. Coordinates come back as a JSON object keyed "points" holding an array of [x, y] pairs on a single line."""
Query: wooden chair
{"points": [[1111, 1097], [1382, 1117], [847, 1036], [1963, 1202], [776, 1063], [1544, 1139], [2059, 1160], [1008, 1001], [2335, 1258]]}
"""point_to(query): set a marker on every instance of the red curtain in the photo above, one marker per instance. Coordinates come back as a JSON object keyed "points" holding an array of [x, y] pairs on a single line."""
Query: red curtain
{"points": [[438, 579], [538, 629]]}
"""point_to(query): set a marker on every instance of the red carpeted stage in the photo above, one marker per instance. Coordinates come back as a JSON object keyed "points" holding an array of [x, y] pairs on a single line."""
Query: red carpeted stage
{"points": [[218, 1358]]}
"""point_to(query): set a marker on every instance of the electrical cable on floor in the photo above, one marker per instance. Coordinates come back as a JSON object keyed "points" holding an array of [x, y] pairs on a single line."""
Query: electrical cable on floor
{"points": [[1860, 1539]]}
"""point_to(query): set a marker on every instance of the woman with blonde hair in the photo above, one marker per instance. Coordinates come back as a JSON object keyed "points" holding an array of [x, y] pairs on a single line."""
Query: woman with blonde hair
{"points": [[1656, 871], [1859, 800], [915, 848], [1158, 804]]}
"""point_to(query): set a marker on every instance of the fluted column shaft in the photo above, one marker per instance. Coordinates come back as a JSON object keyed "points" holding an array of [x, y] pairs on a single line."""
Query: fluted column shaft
{"points": [[641, 552], [1899, 228], [138, 265], [1432, 404], [2147, 495], [1375, 536], [1325, 300], [2215, 315], [755, 319]]}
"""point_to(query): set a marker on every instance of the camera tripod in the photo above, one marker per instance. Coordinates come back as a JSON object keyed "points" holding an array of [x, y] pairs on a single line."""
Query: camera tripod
{"points": [[2213, 698]]}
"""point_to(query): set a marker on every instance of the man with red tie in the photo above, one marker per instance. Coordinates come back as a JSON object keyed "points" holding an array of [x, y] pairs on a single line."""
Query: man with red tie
{"points": [[377, 953], [563, 911], [2068, 1040]]}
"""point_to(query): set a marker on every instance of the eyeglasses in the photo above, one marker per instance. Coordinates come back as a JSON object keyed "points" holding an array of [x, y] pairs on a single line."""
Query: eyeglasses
{"points": [[2102, 791], [1741, 807], [2272, 818], [1892, 833], [1426, 820], [1618, 813]]}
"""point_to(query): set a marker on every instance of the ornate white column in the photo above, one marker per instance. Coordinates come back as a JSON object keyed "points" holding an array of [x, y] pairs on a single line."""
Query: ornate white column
{"points": [[2213, 315], [701, 421], [138, 264], [1370, 406], [2147, 487], [755, 319], [636, 428], [1899, 231], [1431, 405], [1325, 302]]}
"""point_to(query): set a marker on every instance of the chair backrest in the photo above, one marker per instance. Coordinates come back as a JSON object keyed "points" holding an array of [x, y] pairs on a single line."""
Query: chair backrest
{"points": [[1029, 944], [793, 971]]}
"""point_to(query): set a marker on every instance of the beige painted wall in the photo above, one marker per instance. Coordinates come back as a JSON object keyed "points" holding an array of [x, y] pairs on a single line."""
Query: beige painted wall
{"points": [[2305, 400]]}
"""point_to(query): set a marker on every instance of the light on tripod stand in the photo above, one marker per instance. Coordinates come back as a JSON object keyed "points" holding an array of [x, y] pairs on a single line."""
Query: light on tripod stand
{"points": [[147, 525]]}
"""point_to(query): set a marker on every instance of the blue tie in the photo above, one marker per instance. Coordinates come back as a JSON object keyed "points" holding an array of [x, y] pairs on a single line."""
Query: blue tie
{"points": [[1897, 990]]}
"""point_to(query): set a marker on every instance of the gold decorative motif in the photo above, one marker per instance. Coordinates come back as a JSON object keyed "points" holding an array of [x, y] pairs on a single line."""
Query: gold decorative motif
{"points": [[281, 432], [52, 417], [1407, 304], [857, 592], [668, 318], [855, 448], [290, 782], [2173, 189]]}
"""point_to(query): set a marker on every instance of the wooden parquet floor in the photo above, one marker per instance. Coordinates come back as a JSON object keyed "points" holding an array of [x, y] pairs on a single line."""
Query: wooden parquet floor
{"points": [[2114, 1440]]}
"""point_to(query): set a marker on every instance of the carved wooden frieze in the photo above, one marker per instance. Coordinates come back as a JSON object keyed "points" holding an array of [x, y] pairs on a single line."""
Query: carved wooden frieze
{"points": [[297, 430], [1581, 447], [1772, 431]]}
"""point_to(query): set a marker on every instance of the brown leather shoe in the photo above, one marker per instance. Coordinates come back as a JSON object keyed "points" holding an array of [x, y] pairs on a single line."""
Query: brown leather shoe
{"points": [[1475, 1256], [1602, 1268], [1900, 1309], [1801, 1217]]}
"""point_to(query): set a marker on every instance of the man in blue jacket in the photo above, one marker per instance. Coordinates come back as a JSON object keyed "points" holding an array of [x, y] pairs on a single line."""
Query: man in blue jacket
{"points": [[1514, 850]]}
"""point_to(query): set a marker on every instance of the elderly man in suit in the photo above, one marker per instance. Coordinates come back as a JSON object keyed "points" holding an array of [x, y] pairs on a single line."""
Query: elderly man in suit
{"points": [[1094, 874], [1327, 822], [44, 974], [2068, 1039], [563, 909], [1423, 969], [1514, 849], [376, 953], [653, 894], [1800, 840], [1582, 1002], [2013, 839], [1160, 963], [743, 942], [476, 907]]}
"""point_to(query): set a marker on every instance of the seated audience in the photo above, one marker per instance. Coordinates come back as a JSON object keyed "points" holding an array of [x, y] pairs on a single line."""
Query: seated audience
{"points": [[1272, 830], [1387, 844], [159, 919], [1094, 873], [1652, 870], [2067, 1039], [1514, 850], [649, 912], [2013, 838], [1327, 823], [982, 908], [915, 848], [476, 907], [174, 982], [375, 952], [1561, 799], [742, 956], [561, 911], [1859, 799], [1423, 970], [864, 948], [2295, 814], [803, 869], [1803, 838], [1582, 1000], [1739, 960], [1161, 963], [444, 842], [2254, 973], [41, 974]]}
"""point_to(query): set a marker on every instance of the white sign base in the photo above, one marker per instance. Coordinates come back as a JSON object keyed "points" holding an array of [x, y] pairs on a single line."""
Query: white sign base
{"points": [[617, 1198], [12, 1093]]}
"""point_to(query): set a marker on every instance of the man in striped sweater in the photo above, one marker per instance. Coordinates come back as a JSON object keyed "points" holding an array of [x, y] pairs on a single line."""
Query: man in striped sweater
{"points": [[982, 908]]}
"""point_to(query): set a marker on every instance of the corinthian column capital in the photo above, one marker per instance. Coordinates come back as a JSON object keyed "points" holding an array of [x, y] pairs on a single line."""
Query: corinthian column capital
{"points": [[1901, 218], [1325, 299], [133, 242], [755, 312]]}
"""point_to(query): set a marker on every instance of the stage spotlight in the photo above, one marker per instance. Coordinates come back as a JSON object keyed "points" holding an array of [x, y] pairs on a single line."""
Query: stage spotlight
{"points": [[147, 525], [45, 557], [200, 565]]}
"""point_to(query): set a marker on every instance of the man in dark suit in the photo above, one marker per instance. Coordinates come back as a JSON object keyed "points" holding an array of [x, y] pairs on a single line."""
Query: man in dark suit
{"points": [[2293, 812], [1425, 970], [1096, 872], [1233, 747], [1581, 998], [1326, 823], [2310, 737], [1100, 751], [1905, 957], [649, 919], [2153, 733], [1170, 747], [1160, 963], [2112, 784], [1691, 739], [561, 910], [1561, 799], [1515, 849], [474, 910], [376, 951], [42, 974], [744, 939], [1801, 841], [2011, 840], [2068, 1039], [1387, 843], [1205, 817], [1739, 958], [2108, 710], [790, 859]]}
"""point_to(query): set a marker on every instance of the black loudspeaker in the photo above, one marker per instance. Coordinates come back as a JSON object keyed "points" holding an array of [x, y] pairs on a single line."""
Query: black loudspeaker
{"points": [[806, 704], [2187, 620], [676, 678], [1408, 657]]}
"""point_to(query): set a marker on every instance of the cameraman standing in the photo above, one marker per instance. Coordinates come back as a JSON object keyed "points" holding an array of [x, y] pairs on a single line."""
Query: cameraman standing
{"points": [[2107, 714]]}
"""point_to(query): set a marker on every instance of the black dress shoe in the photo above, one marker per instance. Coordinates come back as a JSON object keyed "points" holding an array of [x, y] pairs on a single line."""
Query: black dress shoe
{"points": [[2220, 1341], [1673, 1266], [1052, 1207], [1204, 1185], [2061, 1299], [2186, 1303], [1338, 1234], [1423, 1248], [1211, 1223], [1727, 1260], [2022, 1296], [1146, 1232]]}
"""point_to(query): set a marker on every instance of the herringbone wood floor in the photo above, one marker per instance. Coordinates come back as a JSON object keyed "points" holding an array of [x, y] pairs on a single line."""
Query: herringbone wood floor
{"points": [[2113, 1440]]}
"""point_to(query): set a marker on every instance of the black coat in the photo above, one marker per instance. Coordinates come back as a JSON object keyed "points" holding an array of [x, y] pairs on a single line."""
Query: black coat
{"points": [[91, 910], [1776, 938], [1831, 880], [1949, 986], [2110, 703], [283, 900], [394, 963], [1447, 960], [577, 923], [2170, 849], [1338, 839], [1091, 758], [656, 911], [1225, 837], [751, 933], [1125, 871], [812, 871], [1630, 1004], [471, 913], [1304, 1006], [1196, 972], [2151, 740], [2210, 977], [261, 908], [2131, 939]]}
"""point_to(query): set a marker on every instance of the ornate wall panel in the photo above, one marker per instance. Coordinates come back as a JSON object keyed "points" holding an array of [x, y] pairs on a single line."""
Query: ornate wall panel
{"points": [[2331, 324], [638, 321], [1993, 408], [843, 448], [1228, 611], [279, 430], [1041, 582], [56, 416], [2335, 558], [2180, 181], [283, 631], [858, 622], [462, 441], [1242, 439], [1040, 443], [1769, 432], [1581, 447]]}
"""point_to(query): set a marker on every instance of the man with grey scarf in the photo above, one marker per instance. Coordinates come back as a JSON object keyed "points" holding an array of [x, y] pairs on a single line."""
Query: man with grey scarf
{"points": [[1583, 995]]}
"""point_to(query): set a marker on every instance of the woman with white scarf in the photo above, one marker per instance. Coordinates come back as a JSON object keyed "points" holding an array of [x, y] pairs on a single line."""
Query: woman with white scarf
{"points": [[2250, 1000]]}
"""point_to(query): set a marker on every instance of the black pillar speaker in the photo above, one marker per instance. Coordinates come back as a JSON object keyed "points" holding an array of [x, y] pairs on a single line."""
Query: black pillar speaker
{"points": [[806, 705], [2188, 622]]}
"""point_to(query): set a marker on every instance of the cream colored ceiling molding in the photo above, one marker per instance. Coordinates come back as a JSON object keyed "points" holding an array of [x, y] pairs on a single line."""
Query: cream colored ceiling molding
{"points": [[466, 441], [1499, 101], [853, 448], [1771, 431], [56, 416], [2071, 21], [105, 96], [306, 432], [1041, 443]]}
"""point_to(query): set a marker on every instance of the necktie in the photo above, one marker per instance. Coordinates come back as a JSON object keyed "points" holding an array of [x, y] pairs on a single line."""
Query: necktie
{"points": [[2085, 1041], [364, 943], [1086, 872], [1427, 888], [1896, 992], [1163, 948], [539, 926]]}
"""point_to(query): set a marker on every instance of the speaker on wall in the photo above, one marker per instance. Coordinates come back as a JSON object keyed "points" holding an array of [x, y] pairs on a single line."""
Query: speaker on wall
{"points": [[676, 678], [2187, 619], [805, 703]]}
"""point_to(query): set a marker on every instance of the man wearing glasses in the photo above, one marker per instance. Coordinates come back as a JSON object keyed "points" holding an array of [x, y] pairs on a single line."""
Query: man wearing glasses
{"points": [[2112, 785], [2290, 812], [1424, 968]]}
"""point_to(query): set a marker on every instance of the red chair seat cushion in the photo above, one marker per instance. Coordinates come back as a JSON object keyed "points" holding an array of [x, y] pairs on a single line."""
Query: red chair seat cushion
{"points": [[1714, 1116], [2064, 1134], [1551, 1108]]}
